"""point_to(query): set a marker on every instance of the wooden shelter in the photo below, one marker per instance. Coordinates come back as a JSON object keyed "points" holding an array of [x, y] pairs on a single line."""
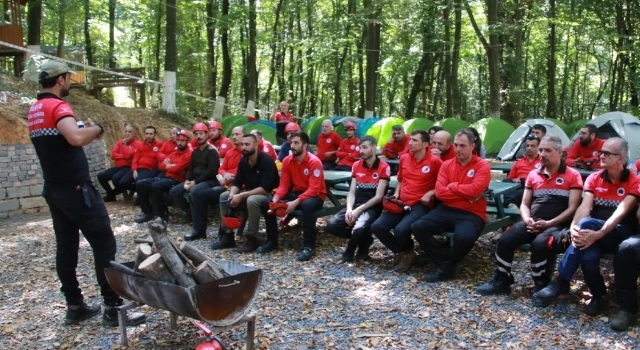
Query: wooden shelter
{"points": [[11, 32]]}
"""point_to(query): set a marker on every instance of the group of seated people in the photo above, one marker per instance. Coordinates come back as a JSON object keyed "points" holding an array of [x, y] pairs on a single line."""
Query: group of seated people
{"points": [[441, 187]]}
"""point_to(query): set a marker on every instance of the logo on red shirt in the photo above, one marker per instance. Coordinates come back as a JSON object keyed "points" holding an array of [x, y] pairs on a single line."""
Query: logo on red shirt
{"points": [[389, 172], [375, 175], [316, 173], [353, 147], [559, 181], [539, 165], [595, 153], [224, 145], [621, 191], [328, 140], [471, 173], [155, 149], [426, 169], [306, 172]]}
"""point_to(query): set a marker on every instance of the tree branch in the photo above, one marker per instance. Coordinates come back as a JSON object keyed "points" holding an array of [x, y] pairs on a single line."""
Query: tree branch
{"points": [[475, 25]]}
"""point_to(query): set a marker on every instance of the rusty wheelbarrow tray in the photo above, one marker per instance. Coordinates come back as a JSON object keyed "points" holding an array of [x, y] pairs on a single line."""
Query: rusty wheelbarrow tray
{"points": [[222, 303]]}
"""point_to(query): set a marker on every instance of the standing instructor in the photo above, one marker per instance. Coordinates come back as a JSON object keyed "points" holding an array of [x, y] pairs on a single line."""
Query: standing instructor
{"points": [[74, 203]]}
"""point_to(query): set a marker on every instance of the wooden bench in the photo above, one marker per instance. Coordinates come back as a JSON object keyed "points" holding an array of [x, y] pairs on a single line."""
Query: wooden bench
{"points": [[100, 80]]}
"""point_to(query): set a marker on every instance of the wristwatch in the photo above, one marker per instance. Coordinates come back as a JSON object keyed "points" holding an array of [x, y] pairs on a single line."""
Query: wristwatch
{"points": [[101, 129]]}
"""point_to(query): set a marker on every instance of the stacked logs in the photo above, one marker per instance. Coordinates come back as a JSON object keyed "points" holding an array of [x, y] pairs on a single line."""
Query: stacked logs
{"points": [[163, 259]]}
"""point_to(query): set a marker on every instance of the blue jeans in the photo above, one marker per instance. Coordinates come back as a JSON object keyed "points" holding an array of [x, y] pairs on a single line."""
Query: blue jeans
{"points": [[589, 259]]}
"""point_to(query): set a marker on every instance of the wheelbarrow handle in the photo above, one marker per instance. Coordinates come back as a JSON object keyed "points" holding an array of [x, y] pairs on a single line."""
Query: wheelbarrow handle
{"points": [[203, 328], [230, 284]]}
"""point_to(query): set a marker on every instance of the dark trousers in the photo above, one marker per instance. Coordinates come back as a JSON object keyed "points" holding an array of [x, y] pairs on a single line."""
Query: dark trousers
{"points": [[626, 266], [328, 164], [129, 183], [151, 194], [515, 195], [342, 168], [309, 208], [361, 228], [178, 192], [466, 229], [541, 254], [200, 202], [118, 176], [589, 259], [77, 208], [400, 240]]}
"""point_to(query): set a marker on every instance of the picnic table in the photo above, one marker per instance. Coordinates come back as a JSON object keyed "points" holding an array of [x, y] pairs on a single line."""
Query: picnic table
{"points": [[506, 168]]}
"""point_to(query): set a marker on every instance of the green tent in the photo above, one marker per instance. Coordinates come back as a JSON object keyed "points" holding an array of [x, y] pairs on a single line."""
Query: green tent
{"points": [[338, 126], [231, 121], [268, 131], [314, 127], [381, 130], [417, 124], [575, 126], [494, 133], [452, 125], [561, 124]]}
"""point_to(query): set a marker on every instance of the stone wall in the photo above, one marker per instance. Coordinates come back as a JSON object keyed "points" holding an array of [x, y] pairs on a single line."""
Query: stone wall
{"points": [[21, 177]]}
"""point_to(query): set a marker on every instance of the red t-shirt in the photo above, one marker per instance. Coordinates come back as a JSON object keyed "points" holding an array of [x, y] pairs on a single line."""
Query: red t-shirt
{"points": [[417, 178], [328, 143], [550, 193], [523, 167], [306, 177], [608, 195], [122, 153], [167, 148], [367, 179], [181, 161], [147, 155], [282, 117], [349, 151], [223, 145], [393, 149], [458, 186], [590, 153], [230, 162], [266, 147]]}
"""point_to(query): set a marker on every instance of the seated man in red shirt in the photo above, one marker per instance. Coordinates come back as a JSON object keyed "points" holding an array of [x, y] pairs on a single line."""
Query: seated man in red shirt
{"points": [[398, 145], [441, 145], [168, 146], [585, 151], [151, 192], [364, 202], [461, 184], [349, 149], [328, 143], [217, 139], [521, 169], [417, 175], [121, 175], [302, 186], [264, 146]]}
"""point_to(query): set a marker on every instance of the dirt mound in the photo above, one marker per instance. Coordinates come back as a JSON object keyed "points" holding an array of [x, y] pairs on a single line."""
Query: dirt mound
{"points": [[18, 96]]}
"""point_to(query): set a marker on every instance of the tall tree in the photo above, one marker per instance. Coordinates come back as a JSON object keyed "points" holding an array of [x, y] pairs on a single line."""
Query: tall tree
{"points": [[251, 59], [226, 57], [212, 74], [34, 20], [551, 62], [373, 53], [112, 24], [170, 60], [87, 33], [61, 28]]}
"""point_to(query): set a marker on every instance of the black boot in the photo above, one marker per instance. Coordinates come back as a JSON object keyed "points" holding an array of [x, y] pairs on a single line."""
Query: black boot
{"points": [[349, 251], [77, 313], [499, 284], [306, 254], [144, 218], [250, 244], [267, 247], [595, 306], [549, 293], [224, 240], [443, 271], [109, 198], [195, 235], [110, 317], [363, 249], [622, 320]]}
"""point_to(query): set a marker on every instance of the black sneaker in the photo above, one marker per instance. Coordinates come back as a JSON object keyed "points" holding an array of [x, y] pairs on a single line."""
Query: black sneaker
{"points": [[195, 235], [595, 306], [268, 247], [144, 218], [347, 257], [250, 244], [622, 320], [77, 313], [306, 254], [499, 284], [443, 271], [110, 318], [549, 293], [224, 240], [363, 249], [109, 198]]}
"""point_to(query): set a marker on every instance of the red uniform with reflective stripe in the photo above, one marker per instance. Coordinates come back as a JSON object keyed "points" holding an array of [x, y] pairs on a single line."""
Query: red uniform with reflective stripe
{"points": [[417, 178], [306, 177], [147, 155], [266, 147], [608, 195], [181, 161], [550, 193], [223, 145], [328, 143], [167, 148], [394, 150], [458, 186], [122, 153], [590, 153], [523, 167], [349, 151], [231, 162], [367, 179], [449, 154]]}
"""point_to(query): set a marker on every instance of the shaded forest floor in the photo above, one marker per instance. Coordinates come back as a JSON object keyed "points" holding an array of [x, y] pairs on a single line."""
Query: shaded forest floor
{"points": [[319, 304]]}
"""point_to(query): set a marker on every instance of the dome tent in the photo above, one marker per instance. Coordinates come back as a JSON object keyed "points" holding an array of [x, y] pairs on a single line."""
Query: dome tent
{"points": [[493, 133], [268, 129], [231, 121], [452, 125], [618, 124], [417, 124], [363, 125], [513, 148], [313, 128], [338, 125], [564, 126], [381, 130], [575, 126]]}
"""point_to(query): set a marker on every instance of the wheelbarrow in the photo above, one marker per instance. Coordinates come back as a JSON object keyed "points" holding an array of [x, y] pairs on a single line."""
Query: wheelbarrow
{"points": [[223, 303]]}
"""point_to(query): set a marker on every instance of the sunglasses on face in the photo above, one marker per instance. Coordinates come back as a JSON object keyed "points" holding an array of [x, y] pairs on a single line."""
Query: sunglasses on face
{"points": [[608, 154]]}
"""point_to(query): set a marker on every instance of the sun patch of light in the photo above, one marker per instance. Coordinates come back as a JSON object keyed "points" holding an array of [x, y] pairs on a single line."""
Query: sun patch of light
{"points": [[371, 291]]}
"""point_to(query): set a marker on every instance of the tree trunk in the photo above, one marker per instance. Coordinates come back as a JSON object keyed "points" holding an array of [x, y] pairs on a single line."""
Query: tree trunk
{"points": [[87, 33], [455, 61], [447, 60], [212, 14], [34, 20], [226, 58], [61, 28], [251, 59], [274, 50], [360, 49], [112, 24], [170, 60], [312, 91], [373, 54], [551, 62]]}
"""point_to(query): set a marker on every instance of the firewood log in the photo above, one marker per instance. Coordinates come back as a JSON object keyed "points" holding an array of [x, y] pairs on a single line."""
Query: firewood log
{"points": [[198, 257], [207, 272], [169, 255], [154, 268], [124, 269], [144, 251]]}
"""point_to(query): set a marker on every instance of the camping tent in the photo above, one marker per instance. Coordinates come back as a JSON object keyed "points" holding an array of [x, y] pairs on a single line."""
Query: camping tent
{"points": [[363, 125], [338, 124], [268, 129], [314, 127], [452, 125], [618, 124], [575, 126], [493, 132], [381, 130], [514, 146], [231, 121], [417, 124], [561, 124]]}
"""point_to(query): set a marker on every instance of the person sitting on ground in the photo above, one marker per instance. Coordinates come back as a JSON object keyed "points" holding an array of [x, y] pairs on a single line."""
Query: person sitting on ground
{"points": [[539, 131], [201, 175], [349, 149], [264, 145], [168, 146], [482, 153], [398, 145], [217, 138], [282, 117], [257, 176], [285, 147], [585, 151], [520, 171], [151, 192], [328, 143], [417, 175], [551, 196], [625, 266], [605, 218], [460, 187], [145, 159], [121, 175], [302, 186], [433, 130], [441, 146], [364, 202]]}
